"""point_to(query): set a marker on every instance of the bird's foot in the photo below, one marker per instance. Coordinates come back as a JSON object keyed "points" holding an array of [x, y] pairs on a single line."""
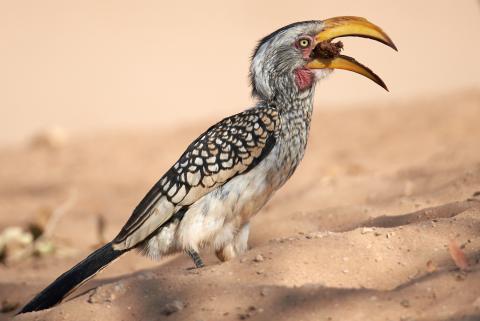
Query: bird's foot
{"points": [[226, 254], [196, 258]]}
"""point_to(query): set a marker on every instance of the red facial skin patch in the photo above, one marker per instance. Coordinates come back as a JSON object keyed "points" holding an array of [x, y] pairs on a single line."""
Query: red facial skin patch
{"points": [[304, 78]]}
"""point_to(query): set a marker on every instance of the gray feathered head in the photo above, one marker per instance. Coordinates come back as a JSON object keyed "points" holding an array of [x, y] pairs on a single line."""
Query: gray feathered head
{"points": [[290, 60]]}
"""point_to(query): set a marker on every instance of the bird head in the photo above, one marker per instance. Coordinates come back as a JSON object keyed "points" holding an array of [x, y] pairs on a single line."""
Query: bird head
{"points": [[290, 61]]}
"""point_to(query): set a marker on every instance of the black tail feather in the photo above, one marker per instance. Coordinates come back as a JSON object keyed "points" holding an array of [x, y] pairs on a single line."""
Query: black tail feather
{"points": [[71, 279]]}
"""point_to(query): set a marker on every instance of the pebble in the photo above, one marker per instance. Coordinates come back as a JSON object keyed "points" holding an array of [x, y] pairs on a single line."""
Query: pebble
{"points": [[258, 258], [105, 294], [173, 307], [366, 230], [389, 234], [251, 311], [405, 303], [264, 292]]}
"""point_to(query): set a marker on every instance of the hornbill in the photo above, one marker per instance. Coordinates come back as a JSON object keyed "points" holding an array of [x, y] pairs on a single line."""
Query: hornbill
{"points": [[229, 172]]}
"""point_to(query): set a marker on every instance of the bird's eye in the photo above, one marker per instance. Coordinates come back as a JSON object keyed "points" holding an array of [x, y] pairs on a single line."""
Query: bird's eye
{"points": [[304, 43]]}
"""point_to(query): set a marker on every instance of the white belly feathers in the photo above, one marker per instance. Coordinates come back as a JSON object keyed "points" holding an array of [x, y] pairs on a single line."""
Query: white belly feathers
{"points": [[216, 218]]}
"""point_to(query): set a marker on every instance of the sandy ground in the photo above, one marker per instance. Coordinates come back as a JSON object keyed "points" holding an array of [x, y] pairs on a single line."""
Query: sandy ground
{"points": [[361, 232]]}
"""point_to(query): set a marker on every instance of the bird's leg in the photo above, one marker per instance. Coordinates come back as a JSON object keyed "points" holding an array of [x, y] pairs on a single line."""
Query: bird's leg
{"points": [[241, 240], [196, 258]]}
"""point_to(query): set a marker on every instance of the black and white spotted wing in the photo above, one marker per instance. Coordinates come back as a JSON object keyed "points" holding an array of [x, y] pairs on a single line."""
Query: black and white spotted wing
{"points": [[230, 148]]}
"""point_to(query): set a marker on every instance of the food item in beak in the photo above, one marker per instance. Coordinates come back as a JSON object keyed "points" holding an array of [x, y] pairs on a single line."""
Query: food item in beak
{"points": [[327, 49]]}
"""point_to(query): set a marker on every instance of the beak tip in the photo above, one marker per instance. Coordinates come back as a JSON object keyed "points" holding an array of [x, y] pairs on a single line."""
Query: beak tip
{"points": [[387, 41], [380, 82], [392, 45]]}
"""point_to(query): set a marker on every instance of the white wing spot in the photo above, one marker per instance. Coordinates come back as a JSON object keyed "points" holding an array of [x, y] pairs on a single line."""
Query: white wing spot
{"points": [[193, 178], [228, 163], [211, 160], [180, 194], [223, 156], [172, 190]]}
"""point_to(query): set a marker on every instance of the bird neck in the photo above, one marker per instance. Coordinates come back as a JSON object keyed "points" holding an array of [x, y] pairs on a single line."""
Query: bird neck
{"points": [[292, 135], [294, 104]]}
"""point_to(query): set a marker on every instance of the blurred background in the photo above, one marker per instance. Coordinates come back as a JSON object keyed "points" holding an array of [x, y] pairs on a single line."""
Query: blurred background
{"points": [[99, 98], [89, 65]]}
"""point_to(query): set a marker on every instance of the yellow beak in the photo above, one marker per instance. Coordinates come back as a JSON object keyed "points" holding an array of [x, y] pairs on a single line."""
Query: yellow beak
{"points": [[349, 26]]}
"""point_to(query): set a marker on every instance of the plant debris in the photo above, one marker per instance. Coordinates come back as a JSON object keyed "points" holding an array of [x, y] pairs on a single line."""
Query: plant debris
{"points": [[18, 243], [327, 49], [15, 244]]}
